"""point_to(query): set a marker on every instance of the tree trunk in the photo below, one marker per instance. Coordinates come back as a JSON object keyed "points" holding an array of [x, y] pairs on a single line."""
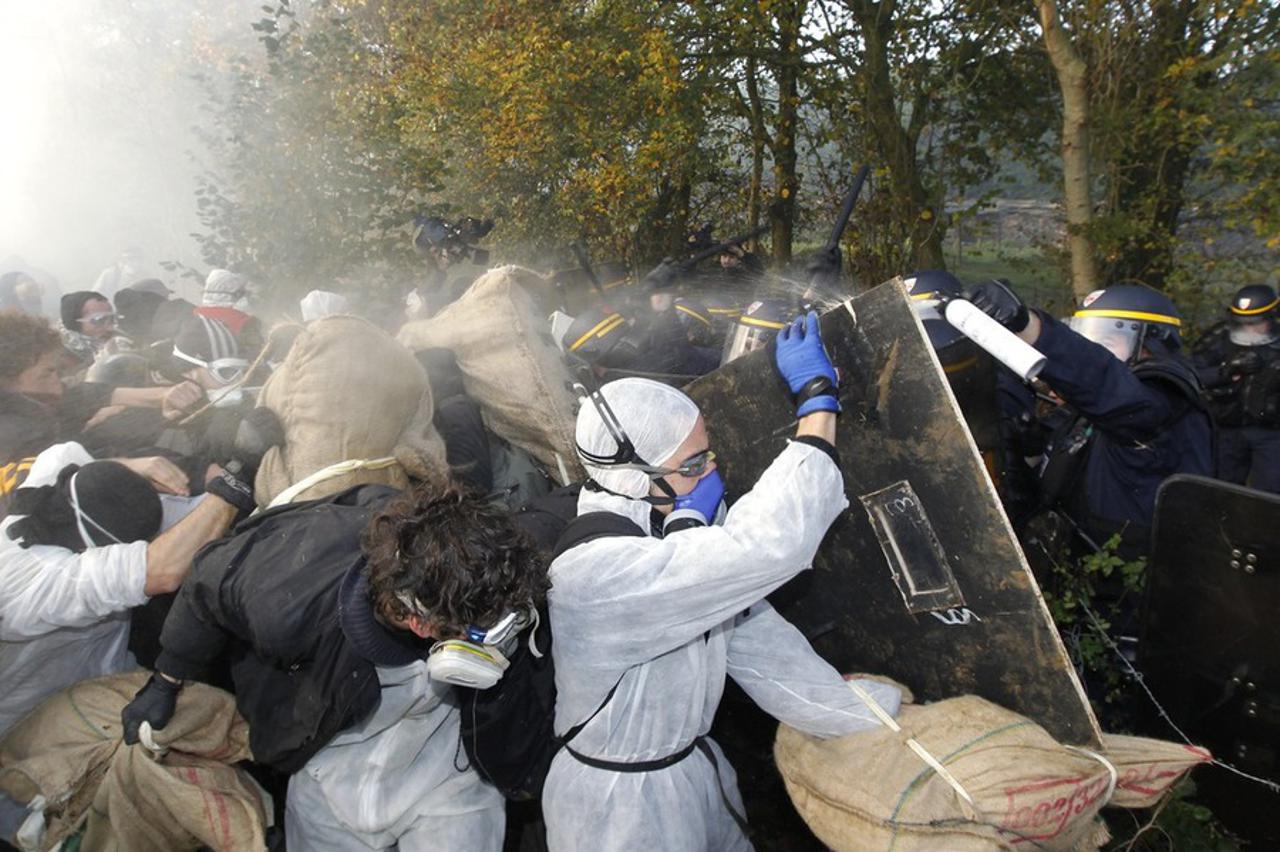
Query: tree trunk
{"points": [[895, 144], [759, 136], [785, 183], [1072, 81]]}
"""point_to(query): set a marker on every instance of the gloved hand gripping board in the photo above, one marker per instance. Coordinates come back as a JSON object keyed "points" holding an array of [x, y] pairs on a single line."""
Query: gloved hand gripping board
{"points": [[922, 579]]}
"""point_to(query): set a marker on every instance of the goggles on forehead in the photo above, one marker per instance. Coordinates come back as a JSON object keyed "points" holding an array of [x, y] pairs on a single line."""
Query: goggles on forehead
{"points": [[506, 627], [99, 320], [225, 370]]}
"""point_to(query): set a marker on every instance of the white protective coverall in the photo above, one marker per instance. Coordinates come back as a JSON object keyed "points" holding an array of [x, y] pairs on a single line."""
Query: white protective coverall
{"points": [[393, 782], [64, 616], [665, 619]]}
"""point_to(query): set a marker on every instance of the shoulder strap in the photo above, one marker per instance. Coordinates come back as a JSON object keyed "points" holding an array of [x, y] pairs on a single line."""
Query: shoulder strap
{"points": [[577, 729], [1177, 374], [591, 526], [581, 530]]}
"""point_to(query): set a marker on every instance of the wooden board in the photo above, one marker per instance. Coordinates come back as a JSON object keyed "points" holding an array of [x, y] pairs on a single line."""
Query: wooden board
{"points": [[983, 630]]}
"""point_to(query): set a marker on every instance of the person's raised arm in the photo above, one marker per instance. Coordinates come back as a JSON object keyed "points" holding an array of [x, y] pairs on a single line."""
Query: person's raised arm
{"points": [[169, 555]]}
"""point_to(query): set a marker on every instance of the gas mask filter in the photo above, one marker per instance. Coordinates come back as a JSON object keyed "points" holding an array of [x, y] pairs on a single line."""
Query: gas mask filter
{"points": [[463, 663], [480, 660]]}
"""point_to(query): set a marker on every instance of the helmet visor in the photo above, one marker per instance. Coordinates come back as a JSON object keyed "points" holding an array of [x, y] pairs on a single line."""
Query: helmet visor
{"points": [[1252, 331], [1120, 336], [743, 338]]}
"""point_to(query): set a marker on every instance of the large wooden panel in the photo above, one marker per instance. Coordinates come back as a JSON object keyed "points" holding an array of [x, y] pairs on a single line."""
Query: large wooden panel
{"points": [[934, 591]]}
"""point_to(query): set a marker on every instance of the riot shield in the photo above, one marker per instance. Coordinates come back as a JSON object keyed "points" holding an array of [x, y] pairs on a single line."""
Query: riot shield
{"points": [[1210, 647], [922, 579]]}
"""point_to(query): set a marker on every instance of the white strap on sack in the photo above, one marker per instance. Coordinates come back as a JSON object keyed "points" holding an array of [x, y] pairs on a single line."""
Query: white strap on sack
{"points": [[147, 737], [921, 752], [1111, 769], [326, 473]]}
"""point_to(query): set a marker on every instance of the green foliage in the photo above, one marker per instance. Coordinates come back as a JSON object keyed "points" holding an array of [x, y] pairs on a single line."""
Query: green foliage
{"points": [[1177, 824], [1084, 617], [315, 184], [626, 123]]}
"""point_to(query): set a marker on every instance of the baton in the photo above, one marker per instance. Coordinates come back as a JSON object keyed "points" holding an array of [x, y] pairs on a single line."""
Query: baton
{"points": [[581, 254], [850, 198]]}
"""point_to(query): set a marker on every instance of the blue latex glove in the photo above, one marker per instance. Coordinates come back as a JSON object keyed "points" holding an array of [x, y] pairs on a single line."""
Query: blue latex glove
{"points": [[801, 358], [704, 499]]}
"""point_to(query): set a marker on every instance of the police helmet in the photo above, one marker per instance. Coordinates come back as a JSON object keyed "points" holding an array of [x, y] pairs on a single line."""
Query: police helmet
{"points": [[758, 324], [696, 321], [1125, 318], [929, 285], [723, 310], [600, 337], [1253, 313]]}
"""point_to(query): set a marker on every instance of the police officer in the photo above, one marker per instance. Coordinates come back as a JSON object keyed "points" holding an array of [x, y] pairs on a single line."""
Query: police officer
{"points": [[1136, 409], [1240, 366]]}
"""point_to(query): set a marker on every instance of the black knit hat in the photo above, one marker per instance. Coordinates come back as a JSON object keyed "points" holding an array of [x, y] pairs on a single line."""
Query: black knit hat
{"points": [[73, 304], [137, 310], [206, 339], [92, 506]]}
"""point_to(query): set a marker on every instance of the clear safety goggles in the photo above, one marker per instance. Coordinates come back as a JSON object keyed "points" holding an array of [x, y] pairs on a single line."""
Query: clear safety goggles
{"points": [[1122, 337], [748, 335], [106, 320], [224, 370]]}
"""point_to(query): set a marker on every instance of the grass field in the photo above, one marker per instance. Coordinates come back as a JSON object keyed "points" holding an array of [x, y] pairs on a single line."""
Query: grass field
{"points": [[1037, 276]]}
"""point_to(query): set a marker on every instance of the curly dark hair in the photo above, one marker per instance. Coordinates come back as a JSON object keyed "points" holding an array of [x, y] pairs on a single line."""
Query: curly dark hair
{"points": [[24, 340], [456, 554]]}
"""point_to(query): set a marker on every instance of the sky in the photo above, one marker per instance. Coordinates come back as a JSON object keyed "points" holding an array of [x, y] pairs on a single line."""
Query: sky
{"points": [[97, 150]]}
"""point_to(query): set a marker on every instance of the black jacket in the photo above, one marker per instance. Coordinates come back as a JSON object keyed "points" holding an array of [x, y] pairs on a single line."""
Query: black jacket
{"points": [[271, 597], [28, 426]]}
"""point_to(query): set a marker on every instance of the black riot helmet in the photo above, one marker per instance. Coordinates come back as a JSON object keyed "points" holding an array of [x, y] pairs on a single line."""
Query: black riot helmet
{"points": [[757, 325], [696, 321], [601, 337], [1253, 313], [930, 285], [1126, 318]]}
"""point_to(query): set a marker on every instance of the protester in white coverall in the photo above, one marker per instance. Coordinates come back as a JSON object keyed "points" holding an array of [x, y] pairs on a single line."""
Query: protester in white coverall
{"points": [[64, 612], [665, 617], [392, 783]]}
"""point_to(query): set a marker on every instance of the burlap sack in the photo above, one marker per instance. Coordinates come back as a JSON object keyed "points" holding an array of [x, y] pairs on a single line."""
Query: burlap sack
{"points": [[1148, 768], [347, 391], [868, 791], [511, 366], [70, 752]]}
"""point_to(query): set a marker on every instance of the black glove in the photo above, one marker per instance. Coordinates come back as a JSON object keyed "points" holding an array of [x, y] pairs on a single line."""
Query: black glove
{"points": [[1244, 364], [824, 266], [996, 300], [259, 431], [154, 703]]}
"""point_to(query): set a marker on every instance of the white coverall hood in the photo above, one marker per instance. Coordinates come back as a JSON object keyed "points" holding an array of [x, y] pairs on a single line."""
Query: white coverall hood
{"points": [[656, 417], [319, 304], [223, 288]]}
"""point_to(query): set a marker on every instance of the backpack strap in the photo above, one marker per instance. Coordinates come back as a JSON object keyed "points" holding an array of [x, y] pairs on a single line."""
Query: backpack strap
{"points": [[594, 525], [580, 530]]}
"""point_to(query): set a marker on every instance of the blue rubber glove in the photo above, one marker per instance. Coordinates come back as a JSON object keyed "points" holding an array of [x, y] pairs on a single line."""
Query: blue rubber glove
{"points": [[801, 358], [700, 504]]}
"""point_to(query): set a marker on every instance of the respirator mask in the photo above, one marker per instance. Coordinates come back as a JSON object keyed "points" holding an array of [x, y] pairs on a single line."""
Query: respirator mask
{"points": [[480, 660]]}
